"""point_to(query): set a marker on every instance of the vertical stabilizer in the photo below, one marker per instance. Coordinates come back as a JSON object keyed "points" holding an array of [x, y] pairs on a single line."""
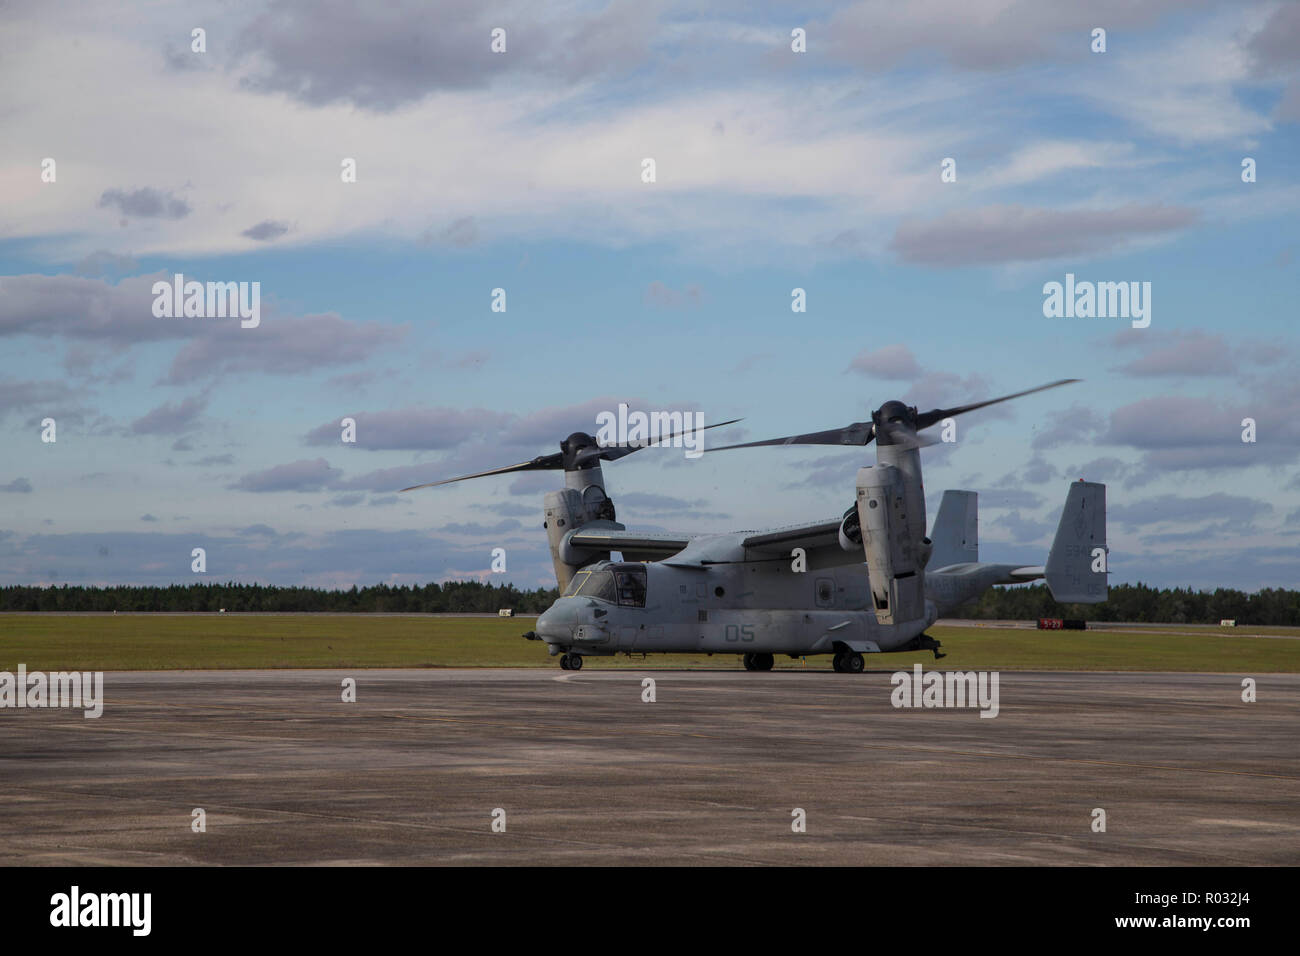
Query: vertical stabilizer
{"points": [[1076, 565], [956, 530]]}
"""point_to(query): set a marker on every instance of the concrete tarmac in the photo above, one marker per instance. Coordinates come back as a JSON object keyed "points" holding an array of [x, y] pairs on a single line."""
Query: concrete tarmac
{"points": [[586, 772]]}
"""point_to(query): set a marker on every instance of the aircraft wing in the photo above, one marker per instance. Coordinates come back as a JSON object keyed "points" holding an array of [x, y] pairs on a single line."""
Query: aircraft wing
{"points": [[634, 545], [820, 541], [818, 534]]}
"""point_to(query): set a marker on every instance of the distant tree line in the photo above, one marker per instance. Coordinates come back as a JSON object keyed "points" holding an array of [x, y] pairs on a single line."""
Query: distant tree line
{"points": [[1127, 602], [1140, 602], [452, 596]]}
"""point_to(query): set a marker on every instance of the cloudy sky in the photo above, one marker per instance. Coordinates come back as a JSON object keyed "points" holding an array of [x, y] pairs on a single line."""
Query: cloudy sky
{"points": [[522, 170]]}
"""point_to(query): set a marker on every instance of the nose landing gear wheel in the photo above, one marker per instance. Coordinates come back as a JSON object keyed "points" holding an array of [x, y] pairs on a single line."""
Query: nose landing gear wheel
{"points": [[575, 662], [564, 662]]}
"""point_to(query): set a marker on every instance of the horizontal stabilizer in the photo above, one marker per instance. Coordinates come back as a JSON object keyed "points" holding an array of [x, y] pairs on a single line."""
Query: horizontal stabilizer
{"points": [[1028, 574]]}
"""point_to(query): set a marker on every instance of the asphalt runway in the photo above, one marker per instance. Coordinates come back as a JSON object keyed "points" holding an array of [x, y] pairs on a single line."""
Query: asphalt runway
{"points": [[588, 773]]}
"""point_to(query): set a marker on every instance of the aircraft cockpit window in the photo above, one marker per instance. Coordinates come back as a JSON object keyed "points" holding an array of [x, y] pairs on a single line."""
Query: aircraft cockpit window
{"points": [[576, 582], [598, 585], [631, 587]]}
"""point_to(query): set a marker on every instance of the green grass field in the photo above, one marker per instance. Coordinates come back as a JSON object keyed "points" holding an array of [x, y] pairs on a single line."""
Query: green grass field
{"points": [[166, 642]]}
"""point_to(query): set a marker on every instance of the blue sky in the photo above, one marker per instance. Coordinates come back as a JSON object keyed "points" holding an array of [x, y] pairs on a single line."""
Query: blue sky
{"points": [[521, 170]]}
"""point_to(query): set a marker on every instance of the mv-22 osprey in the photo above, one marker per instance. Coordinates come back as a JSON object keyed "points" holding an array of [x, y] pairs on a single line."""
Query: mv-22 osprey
{"points": [[799, 590]]}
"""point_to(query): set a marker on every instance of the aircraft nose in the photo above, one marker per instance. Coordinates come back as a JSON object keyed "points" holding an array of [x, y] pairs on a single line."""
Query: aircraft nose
{"points": [[557, 622]]}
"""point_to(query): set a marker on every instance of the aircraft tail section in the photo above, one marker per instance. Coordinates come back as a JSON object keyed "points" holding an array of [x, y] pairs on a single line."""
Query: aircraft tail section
{"points": [[956, 530], [1076, 565]]}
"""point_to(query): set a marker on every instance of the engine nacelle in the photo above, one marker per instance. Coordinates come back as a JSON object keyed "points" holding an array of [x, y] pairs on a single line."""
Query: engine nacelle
{"points": [[895, 555], [566, 511]]}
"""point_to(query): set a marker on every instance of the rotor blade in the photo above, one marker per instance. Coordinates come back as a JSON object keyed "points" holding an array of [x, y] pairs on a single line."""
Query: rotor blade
{"points": [[615, 452], [900, 434], [540, 463], [859, 433], [927, 419]]}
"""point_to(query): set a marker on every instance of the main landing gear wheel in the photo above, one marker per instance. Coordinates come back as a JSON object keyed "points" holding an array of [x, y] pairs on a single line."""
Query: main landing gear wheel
{"points": [[848, 662], [759, 662]]}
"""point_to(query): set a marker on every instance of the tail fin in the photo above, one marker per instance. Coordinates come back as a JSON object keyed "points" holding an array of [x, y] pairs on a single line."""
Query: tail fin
{"points": [[1076, 565], [956, 530]]}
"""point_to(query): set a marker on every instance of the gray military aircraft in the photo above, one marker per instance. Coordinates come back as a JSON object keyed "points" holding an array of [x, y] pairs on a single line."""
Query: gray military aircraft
{"points": [[798, 590]]}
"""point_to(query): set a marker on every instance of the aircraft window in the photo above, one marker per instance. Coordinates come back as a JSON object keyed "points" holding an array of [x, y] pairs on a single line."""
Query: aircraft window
{"points": [[577, 581], [599, 585], [631, 587]]}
